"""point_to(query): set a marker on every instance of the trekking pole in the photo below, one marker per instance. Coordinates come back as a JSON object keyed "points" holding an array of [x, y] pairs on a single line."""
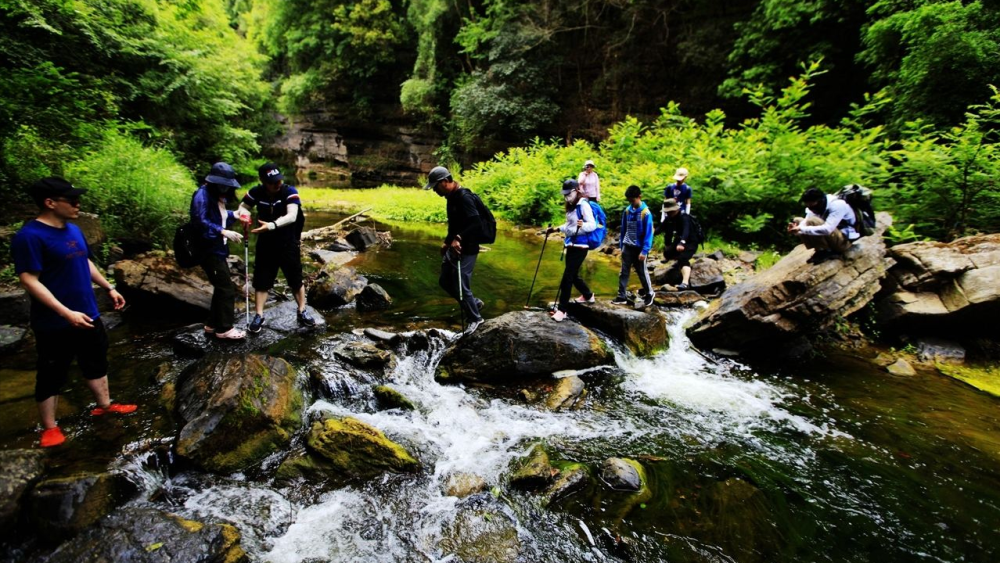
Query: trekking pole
{"points": [[246, 270], [461, 311], [540, 254]]}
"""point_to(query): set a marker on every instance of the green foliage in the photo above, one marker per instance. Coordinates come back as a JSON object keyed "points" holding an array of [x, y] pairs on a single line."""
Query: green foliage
{"points": [[387, 202], [139, 192]]}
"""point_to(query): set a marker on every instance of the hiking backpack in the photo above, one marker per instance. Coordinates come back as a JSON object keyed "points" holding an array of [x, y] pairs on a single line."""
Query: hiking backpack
{"points": [[486, 219], [595, 238], [860, 200], [187, 245]]}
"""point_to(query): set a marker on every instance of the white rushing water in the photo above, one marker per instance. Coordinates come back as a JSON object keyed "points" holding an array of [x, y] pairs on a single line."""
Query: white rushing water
{"points": [[677, 393]]}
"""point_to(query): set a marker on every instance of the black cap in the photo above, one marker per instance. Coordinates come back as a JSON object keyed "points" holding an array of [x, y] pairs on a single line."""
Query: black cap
{"points": [[52, 187], [437, 174], [223, 175], [269, 173], [569, 186], [813, 194]]}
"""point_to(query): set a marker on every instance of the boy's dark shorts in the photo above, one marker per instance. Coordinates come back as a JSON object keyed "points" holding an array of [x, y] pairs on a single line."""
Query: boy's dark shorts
{"points": [[268, 259], [682, 258], [58, 348]]}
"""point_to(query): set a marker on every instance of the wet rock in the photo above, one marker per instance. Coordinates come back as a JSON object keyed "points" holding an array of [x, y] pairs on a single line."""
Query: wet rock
{"points": [[11, 337], [382, 335], [237, 410], [623, 474], [571, 479], [362, 238], [521, 344], [19, 470], [155, 279], [937, 350], [483, 531], [64, 506], [643, 332], [533, 471], [331, 257], [336, 286], [984, 378], [193, 342], [462, 485], [944, 287], [568, 394], [284, 318], [373, 298], [364, 355], [389, 398], [793, 298], [669, 298], [901, 368], [351, 448], [340, 245], [15, 308], [884, 360], [145, 535]]}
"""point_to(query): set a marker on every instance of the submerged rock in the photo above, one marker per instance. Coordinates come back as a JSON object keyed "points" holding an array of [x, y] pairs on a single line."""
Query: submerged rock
{"points": [[643, 332], [793, 298], [350, 448], [145, 535], [19, 470], [571, 479], [373, 298], [533, 471], [237, 410], [156, 279], [483, 531], [521, 344], [63, 506], [336, 286], [623, 474], [568, 394], [462, 485], [944, 287], [389, 398]]}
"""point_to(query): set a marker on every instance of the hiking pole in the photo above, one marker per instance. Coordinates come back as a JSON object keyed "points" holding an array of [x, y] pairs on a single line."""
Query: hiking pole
{"points": [[540, 254], [461, 311], [246, 270]]}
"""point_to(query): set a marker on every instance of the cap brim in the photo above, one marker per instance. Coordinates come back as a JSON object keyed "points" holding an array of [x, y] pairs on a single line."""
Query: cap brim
{"points": [[75, 192], [680, 178], [430, 185], [232, 183]]}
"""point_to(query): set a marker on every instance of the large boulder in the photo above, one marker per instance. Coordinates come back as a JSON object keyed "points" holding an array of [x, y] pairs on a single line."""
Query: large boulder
{"points": [[336, 286], [374, 298], [941, 287], [237, 410], [145, 535], [522, 344], [362, 238], [19, 470], [63, 506], [793, 298], [156, 278], [643, 332], [346, 448]]}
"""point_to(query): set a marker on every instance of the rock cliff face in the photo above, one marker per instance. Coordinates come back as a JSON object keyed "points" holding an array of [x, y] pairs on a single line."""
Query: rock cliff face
{"points": [[329, 149], [943, 287], [793, 298]]}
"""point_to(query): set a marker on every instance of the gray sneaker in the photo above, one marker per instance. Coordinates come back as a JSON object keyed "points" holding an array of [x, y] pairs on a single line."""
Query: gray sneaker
{"points": [[472, 327]]}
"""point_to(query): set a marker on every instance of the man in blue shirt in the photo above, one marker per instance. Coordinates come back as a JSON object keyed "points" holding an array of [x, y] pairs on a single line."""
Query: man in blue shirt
{"points": [[679, 191], [280, 221], [636, 241], [51, 258]]}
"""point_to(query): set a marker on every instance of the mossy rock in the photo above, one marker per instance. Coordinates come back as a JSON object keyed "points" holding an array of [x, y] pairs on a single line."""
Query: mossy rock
{"points": [[237, 410], [984, 378], [352, 448], [390, 398], [533, 471], [61, 507]]}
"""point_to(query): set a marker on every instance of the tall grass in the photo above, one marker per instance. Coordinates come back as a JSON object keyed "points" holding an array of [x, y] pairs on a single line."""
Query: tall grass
{"points": [[386, 202]]}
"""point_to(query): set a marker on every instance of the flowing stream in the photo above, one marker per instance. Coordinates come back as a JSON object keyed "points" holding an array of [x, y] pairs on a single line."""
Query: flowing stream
{"points": [[832, 461]]}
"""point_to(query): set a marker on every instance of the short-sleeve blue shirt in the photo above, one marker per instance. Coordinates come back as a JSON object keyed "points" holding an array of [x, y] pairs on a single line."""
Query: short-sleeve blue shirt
{"points": [[681, 193], [61, 259]]}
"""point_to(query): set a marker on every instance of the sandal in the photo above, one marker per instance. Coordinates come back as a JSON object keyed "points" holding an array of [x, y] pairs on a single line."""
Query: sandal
{"points": [[231, 334]]}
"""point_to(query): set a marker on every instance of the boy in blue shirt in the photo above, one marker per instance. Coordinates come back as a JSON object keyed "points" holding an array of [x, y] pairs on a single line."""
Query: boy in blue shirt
{"points": [[679, 191], [51, 259], [636, 241], [279, 219]]}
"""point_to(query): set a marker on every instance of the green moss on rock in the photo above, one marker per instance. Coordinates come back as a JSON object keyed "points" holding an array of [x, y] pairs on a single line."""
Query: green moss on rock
{"points": [[355, 449], [984, 378]]}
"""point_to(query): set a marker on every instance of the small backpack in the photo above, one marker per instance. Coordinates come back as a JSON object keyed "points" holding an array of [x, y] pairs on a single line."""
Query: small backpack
{"points": [[595, 238], [486, 219], [860, 200], [187, 246]]}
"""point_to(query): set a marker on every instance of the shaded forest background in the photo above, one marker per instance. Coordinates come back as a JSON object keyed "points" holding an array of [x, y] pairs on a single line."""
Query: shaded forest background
{"points": [[135, 98]]}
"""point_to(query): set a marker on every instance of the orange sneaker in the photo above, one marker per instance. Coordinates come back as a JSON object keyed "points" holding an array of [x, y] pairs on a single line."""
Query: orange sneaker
{"points": [[116, 408], [52, 437]]}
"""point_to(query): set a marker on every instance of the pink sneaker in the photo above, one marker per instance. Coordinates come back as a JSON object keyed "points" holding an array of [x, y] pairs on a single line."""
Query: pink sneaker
{"points": [[558, 316], [583, 299], [231, 334]]}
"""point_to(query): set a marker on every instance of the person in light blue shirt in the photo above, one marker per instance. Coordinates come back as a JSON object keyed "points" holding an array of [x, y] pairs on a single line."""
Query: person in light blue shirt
{"points": [[636, 241]]}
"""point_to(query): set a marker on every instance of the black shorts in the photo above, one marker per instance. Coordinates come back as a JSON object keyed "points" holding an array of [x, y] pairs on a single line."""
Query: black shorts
{"points": [[58, 348], [682, 258], [269, 258]]}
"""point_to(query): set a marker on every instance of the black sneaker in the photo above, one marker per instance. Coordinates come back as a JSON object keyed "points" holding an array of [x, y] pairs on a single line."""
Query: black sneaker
{"points": [[305, 319], [619, 301], [256, 324], [648, 299], [683, 287]]}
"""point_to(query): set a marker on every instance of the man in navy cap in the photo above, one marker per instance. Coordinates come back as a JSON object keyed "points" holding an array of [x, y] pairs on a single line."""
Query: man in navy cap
{"points": [[52, 260], [280, 220]]}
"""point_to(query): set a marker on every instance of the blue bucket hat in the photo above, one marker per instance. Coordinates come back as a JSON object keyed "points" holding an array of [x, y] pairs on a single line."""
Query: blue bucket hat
{"points": [[223, 175]]}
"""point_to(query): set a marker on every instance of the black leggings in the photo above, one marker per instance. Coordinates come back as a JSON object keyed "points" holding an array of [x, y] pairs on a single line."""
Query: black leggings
{"points": [[571, 276], [221, 316]]}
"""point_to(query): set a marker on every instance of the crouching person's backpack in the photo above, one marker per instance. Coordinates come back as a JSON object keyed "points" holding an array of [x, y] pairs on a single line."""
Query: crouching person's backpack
{"points": [[187, 246], [860, 200], [595, 238]]}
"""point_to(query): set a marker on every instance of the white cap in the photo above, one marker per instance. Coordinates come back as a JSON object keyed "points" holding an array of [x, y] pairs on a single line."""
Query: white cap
{"points": [[680, 174]]}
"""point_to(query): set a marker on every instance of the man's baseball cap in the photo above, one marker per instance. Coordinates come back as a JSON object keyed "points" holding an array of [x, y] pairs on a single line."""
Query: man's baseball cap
{"points": [[680, 174], [53, 187], [437, 174], [223, 175], [269, 173]]}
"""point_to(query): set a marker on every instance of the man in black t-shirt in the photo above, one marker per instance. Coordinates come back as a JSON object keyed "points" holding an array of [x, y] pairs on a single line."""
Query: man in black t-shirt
{"points": [[680, 239], [279, 219], [461, 246]]}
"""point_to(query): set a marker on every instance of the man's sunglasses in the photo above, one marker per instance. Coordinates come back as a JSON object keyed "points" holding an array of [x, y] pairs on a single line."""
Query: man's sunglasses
{"points": [[70, 200]]}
